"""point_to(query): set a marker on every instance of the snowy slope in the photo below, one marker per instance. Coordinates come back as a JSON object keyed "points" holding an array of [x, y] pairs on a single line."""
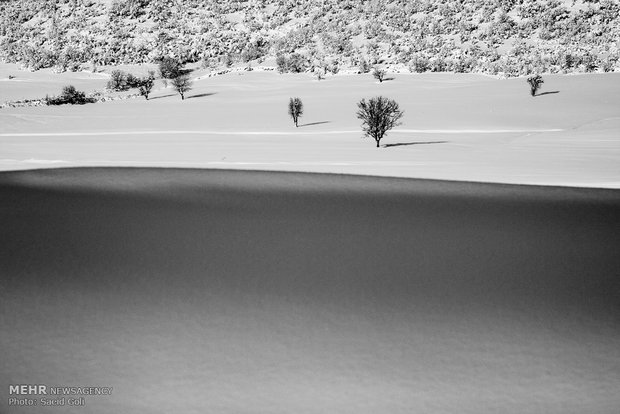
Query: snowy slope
{"points": [[465, 127], [215, 291]]}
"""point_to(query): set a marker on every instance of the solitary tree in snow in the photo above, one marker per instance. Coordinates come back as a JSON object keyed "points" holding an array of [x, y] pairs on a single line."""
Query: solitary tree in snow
{"points": [[379, 74], [182, 84], [535, 82], [378, 116], [295, 109]]}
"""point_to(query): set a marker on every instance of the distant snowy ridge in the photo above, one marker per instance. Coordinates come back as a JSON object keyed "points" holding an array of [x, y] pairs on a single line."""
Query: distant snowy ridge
{"points": [[506, 37]]}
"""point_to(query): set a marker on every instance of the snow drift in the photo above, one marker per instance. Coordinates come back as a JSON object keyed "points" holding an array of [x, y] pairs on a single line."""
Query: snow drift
{"points": [[197, 291]]}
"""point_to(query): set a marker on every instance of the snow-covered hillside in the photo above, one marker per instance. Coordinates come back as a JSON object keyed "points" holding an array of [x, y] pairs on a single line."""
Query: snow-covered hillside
{"points": [[499, 37]]}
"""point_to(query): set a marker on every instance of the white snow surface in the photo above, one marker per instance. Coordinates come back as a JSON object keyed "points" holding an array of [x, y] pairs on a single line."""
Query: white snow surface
{"points": [[456, 126], [211, 291]]}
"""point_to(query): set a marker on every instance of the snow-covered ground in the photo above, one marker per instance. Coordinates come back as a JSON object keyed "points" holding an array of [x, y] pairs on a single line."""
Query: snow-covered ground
{"points": [[463, 127], [207, 291], [221, 291]]}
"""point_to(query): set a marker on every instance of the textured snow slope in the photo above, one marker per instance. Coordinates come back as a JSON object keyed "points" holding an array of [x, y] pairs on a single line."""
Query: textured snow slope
{"points": [[197, 291]]}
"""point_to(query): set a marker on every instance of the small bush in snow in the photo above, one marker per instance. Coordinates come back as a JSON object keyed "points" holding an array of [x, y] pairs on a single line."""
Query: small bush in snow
{"points": [[535, 82], [69, 95], [378, 74]]}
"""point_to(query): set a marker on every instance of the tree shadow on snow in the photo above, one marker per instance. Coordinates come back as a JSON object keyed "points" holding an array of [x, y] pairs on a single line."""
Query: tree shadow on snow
{"points": [[201, 95], [547, 93], [315, 123], [400, 144]]}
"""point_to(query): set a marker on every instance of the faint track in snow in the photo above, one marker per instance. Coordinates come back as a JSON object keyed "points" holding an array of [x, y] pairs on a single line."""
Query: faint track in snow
{"points": [[400, 131]]}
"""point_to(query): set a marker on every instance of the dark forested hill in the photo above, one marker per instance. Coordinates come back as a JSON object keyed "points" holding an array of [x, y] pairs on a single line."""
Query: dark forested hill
{"points": [[513, 37]]}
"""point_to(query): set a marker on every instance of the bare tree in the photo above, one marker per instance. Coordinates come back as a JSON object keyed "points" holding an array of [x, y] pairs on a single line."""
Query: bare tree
{"points": [[535, 82], [378, 116], [378, 74], [146, 85], [295, 109], [182, 84]]}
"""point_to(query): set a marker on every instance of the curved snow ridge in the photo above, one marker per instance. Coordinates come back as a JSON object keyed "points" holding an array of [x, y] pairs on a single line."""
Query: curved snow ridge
{"points": [[33, 161], [208, 132], [108, 162]]}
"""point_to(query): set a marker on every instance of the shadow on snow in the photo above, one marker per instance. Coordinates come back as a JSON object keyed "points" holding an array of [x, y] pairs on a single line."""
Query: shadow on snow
{"points": [[201, 95], [314, 123], [547, 93], [400, 144]]}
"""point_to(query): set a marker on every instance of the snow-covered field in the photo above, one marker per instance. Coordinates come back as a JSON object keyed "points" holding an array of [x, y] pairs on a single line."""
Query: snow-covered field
{"points": [[221, 291], [463, 127]]}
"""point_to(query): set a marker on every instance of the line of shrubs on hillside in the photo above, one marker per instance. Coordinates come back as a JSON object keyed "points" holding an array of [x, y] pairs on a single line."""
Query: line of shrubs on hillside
{"points": [[170, 70], [68, 96]]}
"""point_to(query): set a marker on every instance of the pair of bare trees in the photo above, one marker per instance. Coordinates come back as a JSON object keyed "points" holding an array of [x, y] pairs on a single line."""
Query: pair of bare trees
{"points": [[378, 115]]}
